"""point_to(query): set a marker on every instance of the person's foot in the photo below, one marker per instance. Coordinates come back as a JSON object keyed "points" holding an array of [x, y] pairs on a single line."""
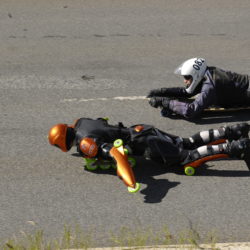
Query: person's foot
{"points": [[241, 150], [237, 131]]}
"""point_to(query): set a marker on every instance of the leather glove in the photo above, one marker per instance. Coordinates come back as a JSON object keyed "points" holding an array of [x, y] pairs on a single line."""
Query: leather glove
{"points": [[156, 102], [154, 92], [169, 92]]}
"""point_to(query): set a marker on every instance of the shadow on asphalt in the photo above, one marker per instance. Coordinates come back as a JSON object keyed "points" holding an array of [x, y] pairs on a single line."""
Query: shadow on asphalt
{"points": [[205, 170], [157, 189], [213, 117]]}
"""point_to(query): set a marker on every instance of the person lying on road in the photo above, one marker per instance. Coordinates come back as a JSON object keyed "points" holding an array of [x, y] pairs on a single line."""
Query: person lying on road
{"points": [[211, 86], [94, 139]]}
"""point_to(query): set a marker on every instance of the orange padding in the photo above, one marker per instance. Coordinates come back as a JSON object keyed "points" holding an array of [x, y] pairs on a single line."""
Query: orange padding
{"points": [[124, 170], [217, 142], [199, 162]]}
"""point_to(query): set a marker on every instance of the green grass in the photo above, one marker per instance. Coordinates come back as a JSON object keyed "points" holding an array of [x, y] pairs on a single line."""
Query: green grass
{"points": [[80, 239]]}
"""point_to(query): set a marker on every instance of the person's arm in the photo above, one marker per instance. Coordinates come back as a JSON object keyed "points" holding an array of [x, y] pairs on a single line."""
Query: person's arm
{"points": [[206, 98], [169, 92]]}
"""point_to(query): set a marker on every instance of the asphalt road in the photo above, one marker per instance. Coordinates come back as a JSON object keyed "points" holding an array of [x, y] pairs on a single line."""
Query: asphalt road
{"points": [[54, 54]]}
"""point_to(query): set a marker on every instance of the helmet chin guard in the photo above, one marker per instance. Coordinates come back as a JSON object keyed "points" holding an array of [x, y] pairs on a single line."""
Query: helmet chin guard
{"points": [[195, 67]]}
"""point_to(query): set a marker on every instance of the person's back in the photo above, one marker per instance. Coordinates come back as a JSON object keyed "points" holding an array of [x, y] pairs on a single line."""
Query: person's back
{"points": [[100, 130], [230, 87]]}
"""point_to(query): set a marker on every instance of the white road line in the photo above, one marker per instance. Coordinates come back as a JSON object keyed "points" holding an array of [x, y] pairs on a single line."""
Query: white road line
{"points": [[120, 98]]}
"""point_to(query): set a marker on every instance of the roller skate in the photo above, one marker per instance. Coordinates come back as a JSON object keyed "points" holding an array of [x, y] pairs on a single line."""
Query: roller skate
{"points": [[189, 168], [93, 164]]}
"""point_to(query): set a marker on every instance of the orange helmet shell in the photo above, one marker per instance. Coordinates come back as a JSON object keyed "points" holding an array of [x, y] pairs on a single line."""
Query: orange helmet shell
{"points": [[88, 147], [57, 136]]}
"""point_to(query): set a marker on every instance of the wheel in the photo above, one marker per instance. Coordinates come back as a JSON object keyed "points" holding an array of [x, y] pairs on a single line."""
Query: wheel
{"points": [[105, 165], [126, 151], [118, 143], [189, 170], [132, 161], [136, 189], [90, 164]]}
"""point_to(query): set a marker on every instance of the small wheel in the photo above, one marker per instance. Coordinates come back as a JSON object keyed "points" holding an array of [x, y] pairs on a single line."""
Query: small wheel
{"points": [[126, 151], [113, 165], [105, 166], [132, 161], [136, 189], [189, 170], [90, 164], [118, 143]]}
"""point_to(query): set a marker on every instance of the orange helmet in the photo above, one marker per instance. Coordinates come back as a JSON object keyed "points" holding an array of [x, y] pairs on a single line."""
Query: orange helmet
{"points": [[88, 147], [58, 137]]}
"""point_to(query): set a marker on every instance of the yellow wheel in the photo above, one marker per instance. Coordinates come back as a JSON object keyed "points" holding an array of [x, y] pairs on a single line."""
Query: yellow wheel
{"points": [[105, 165], [90, 164], [118, 143], [126, 151], [189, 170], [136, 189]]}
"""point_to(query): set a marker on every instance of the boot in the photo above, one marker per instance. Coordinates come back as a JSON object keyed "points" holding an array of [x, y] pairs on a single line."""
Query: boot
{"points": [[237, 131], [240, 149]]}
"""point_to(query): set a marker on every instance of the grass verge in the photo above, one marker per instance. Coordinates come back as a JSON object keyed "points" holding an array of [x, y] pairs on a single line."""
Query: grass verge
{"points": [[80, 239]]}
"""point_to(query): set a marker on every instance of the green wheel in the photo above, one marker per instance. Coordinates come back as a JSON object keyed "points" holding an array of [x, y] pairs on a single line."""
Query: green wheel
{"points": [[113, 165], [118, 143], [132, 161], [90, 164], [189, 170], [136, 189], [105, 165]]}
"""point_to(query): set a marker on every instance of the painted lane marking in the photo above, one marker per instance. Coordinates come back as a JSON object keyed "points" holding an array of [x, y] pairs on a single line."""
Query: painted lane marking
{"points": [[120, 98]]}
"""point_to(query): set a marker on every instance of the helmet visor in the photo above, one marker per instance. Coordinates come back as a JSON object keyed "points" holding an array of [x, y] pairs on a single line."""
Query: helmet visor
{"points": [[187, 77]]}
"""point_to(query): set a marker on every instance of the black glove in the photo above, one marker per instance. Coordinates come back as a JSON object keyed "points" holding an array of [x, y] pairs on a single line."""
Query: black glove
{"points": [[169, 92], [154, 92], [156, 102]]}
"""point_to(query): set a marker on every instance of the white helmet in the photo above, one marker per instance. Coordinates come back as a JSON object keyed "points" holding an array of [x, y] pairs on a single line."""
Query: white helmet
{"points": [[195, 67]]}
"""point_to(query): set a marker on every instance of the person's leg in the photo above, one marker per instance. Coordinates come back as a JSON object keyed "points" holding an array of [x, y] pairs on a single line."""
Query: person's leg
{"points": [[206, 153], [161, 150], [216, 136], [239, 149]]}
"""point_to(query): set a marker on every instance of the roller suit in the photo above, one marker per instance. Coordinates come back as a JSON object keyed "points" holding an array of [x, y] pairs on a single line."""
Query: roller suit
{"points": [[157, 145]]}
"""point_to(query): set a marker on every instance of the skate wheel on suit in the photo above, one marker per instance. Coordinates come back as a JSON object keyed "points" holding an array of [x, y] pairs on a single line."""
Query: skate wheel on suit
{"points": [[132, 161], [189, 170], [113, 166], [136, 189], [118, 143], [105, 166], [90, 164]]}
